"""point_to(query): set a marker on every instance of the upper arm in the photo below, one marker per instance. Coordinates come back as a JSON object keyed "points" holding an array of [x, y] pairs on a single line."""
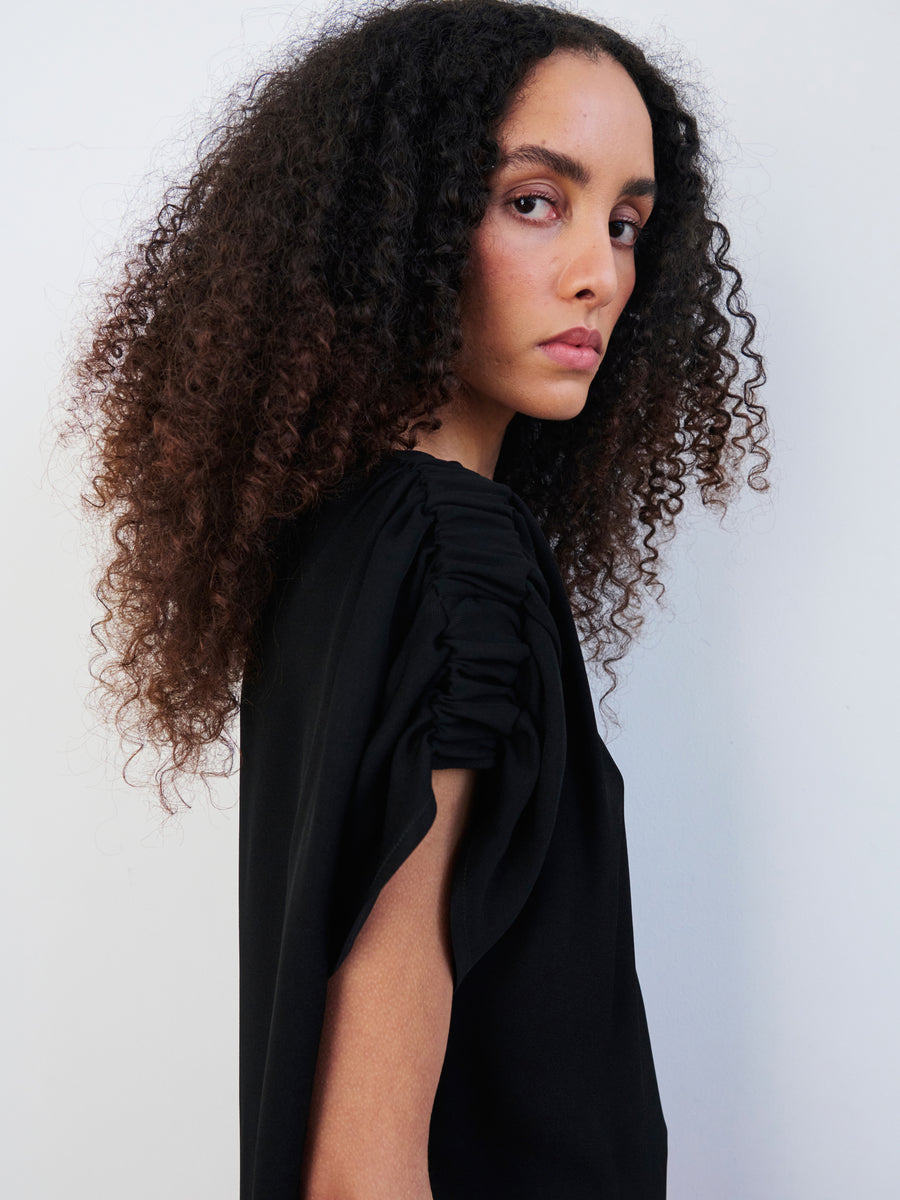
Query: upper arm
{"points": [[387, 1017]]}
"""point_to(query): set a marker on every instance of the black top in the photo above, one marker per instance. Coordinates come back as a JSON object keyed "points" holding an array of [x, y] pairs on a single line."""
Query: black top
{"points": [[420, 622]]}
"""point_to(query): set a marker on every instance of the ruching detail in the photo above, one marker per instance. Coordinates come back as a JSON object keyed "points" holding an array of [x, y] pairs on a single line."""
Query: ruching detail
{"points": [[485, 584], [495, 700]]}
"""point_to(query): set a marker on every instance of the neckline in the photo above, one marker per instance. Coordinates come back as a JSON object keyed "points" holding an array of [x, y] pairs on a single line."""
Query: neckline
{"points": [[424, 456]]}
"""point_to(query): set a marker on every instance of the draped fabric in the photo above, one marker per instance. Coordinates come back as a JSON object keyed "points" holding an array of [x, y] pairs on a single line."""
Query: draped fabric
{"points": [[419, 622]]}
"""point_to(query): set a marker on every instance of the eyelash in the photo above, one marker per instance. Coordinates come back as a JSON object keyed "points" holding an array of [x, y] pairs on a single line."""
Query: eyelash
{"points": [[638, 229]]}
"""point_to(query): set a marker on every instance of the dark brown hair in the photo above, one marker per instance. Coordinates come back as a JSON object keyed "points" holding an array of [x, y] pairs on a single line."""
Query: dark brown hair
{"points": [[295, 305]]}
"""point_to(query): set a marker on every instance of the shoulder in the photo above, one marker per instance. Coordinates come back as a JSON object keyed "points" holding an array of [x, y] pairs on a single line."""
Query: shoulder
{"points": [[435, 483], [417, 534], [414, 506], [474, 534]]}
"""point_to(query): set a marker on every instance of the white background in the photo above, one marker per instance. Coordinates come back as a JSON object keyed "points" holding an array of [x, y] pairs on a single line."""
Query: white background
{"points": [[757, 721]]}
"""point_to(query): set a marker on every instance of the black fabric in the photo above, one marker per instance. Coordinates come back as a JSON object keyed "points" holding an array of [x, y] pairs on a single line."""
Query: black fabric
{"points": [[420, 622]]}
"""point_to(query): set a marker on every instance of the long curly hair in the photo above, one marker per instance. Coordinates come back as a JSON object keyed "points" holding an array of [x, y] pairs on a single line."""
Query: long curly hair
{"points": [[292, 315]]}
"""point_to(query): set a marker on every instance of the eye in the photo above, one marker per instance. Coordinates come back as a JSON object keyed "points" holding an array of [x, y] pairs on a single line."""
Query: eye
{"points": [[624, 231], [529, 205]]}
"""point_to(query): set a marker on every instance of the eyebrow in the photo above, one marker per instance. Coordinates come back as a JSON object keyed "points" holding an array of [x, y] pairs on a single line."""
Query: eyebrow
{"points": [[569, 168]]}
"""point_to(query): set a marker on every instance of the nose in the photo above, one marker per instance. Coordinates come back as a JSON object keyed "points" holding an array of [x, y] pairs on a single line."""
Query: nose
{"points": [[590, 272]]}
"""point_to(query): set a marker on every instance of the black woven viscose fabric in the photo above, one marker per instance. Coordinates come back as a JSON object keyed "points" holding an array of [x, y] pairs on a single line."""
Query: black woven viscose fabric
{"points": [[419, 621]]}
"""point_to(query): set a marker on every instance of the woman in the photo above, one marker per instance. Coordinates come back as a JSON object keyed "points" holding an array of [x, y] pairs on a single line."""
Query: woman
{"points": [[415, 367]]}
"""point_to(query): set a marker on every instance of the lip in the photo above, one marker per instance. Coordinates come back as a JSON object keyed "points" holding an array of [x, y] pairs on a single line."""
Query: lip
{"points": [[578, 348]]}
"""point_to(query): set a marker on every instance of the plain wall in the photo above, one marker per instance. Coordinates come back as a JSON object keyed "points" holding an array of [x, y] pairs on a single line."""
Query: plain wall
{"points": [[757, 719]]}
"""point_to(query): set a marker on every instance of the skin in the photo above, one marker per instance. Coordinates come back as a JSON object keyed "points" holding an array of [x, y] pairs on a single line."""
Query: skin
{"points": [[386, 1023], [565, 260], [551, 253]]}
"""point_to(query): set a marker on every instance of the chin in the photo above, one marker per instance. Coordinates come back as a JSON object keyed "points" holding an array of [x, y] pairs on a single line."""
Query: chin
{"points": [[556, 408]]}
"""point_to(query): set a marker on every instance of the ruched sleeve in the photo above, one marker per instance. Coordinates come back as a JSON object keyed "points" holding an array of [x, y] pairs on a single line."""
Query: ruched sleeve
{"points": [[474, 681]]}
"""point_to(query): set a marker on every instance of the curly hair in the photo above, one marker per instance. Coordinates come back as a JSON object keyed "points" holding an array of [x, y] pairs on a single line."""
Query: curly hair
{"points": [[292, 315]]}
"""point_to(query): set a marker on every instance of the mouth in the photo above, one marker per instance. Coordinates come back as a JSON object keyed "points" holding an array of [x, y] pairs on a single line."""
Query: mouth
{"points": [[578, 349]]}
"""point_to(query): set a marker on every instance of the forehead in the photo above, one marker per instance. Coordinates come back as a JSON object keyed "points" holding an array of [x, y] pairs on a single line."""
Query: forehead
{"points": [[586, 106]]}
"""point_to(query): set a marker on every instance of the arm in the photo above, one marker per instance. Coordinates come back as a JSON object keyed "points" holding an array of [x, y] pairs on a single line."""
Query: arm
{"points": [[387, 1016]]}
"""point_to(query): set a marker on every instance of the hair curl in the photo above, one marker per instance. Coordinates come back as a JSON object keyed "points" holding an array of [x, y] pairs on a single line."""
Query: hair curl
{"points": [[295, 307]]}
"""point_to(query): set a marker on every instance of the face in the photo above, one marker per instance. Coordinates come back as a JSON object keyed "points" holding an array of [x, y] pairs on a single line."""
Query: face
{"points": [[552, 263]]}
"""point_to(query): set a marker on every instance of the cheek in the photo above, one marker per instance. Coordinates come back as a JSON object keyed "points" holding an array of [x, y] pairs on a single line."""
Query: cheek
{"points": [[627, 278], [502, 277]]}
